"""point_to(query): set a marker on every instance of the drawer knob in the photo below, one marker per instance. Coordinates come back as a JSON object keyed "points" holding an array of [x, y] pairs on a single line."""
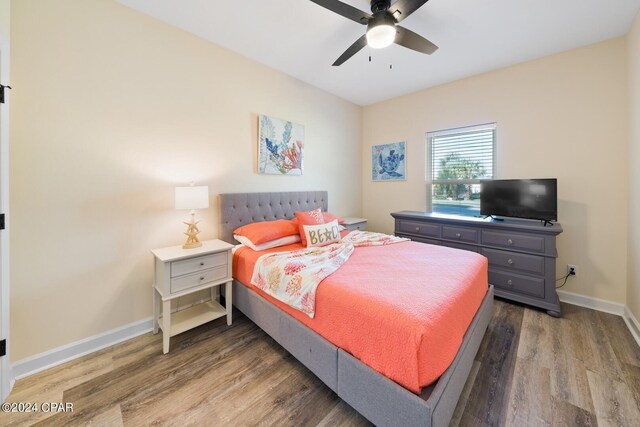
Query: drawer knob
{"points": [[510, 261], [202, 278], [458, 235], [509, 242], [417, 228], [509, 282], [201, 264]]}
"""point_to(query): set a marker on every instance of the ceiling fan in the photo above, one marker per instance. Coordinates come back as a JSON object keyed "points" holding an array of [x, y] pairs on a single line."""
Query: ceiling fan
{"points": [[382, 28]]}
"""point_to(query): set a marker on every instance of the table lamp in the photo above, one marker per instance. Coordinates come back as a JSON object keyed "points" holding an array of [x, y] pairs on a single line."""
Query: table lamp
{"points": [[192, 198]]}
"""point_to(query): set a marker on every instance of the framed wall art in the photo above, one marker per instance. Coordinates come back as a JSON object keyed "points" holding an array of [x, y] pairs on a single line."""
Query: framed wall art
{"points": [[280, 146], [388, 162]]}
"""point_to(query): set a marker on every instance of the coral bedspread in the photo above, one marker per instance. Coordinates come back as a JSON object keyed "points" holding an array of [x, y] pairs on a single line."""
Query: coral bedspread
{"points": [[401, 309]]}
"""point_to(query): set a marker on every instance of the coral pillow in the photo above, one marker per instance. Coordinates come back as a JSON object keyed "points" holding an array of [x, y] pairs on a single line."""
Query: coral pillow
{"points": [[322, 234], [264, 231], [282, 241], [313, 217], [328, 217]]}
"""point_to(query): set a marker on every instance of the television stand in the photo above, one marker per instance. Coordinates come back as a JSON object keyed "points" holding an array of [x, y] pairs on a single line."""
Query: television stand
{"points": [[522, 253]]}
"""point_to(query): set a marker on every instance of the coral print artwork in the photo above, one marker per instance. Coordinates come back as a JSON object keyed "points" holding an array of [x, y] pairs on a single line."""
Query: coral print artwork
{"points": [[281, 147], [388, 162]]}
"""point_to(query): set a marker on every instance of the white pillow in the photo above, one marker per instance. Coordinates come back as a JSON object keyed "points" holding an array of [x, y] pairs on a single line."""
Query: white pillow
{"points": [[322, 234], [282, 241]]}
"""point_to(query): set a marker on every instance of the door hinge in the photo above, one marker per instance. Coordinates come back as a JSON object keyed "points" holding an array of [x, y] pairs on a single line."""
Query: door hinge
{"points": [[1, 221], [2, 92], [3, 348]]}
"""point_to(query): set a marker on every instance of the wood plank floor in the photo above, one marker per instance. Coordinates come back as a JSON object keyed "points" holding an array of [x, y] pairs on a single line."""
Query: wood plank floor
{"points": [[531, 369]]}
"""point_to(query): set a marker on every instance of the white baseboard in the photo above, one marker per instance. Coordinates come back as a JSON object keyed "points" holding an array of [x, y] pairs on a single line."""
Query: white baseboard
{"points": [[605, 306], [632, 324], [40, 362]]}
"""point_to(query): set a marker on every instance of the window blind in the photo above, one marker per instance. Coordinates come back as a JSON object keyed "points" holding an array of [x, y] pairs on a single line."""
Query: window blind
{"points": [[465, 155]]}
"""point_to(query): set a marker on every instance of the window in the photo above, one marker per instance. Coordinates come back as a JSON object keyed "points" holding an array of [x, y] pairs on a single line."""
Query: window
{"points": [[457, 159]]}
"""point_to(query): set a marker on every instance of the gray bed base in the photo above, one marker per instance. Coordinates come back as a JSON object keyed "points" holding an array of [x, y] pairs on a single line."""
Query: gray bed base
{"points": [[379, 399]]}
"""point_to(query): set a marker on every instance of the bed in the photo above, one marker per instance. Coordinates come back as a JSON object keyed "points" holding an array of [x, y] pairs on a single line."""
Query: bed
{"points": [[380, 399]]}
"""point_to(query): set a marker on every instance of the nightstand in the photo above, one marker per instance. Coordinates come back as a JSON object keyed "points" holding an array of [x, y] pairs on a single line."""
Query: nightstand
{"points": [[179, 272], [355, 224]]}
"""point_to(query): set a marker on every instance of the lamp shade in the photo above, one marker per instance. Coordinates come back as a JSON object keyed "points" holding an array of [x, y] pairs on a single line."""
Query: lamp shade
{"points": [[192, 197]]}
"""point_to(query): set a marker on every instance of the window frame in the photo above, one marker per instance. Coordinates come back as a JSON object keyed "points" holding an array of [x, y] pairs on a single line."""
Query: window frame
{"points": [[430, 182]]}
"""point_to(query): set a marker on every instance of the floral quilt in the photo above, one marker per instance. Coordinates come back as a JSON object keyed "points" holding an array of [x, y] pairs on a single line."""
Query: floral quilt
{"points": [[369, 238], [293, 277]]}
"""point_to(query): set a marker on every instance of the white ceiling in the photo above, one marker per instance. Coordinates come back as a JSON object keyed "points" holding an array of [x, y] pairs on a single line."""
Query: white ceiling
{"points": [[302, 39]]}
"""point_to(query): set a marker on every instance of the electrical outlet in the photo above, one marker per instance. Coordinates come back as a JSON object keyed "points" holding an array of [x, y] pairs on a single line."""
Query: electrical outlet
{"points": [[572, 270]]}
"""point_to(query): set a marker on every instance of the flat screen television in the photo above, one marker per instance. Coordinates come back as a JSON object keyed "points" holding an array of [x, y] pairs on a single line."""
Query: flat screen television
{"points": [[520, 198]]}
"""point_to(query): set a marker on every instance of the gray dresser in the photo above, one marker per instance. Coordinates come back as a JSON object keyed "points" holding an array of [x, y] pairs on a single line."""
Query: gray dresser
{"points": [[522, 253]]}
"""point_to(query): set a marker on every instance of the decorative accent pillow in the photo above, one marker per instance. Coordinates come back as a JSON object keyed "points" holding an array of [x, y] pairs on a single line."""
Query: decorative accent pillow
{"points": [[313, 217], [265, 231], [282, 241], [322, 234], [328, 217]]}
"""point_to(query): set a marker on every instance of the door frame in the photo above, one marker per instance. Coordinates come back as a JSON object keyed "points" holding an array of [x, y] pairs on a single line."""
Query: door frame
{"points": [[6, 377]]}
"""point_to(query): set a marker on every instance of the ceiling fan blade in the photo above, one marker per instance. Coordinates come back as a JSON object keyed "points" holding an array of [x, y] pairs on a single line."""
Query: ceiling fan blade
{"points": [[353, 49], [411, 40], [403, 8], [345, 10]]}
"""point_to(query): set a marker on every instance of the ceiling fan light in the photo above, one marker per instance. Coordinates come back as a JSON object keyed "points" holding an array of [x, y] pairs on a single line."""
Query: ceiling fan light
{"points": [[381, 36]]}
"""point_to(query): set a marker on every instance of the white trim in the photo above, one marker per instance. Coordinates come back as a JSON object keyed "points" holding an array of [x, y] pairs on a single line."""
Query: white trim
{"points": [[49, 359], [604, 306], [591, 302], [6, 383], [632, 324]]}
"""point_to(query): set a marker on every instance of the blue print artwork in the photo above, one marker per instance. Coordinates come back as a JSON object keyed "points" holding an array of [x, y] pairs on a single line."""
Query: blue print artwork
{"points": [[388, 162]]}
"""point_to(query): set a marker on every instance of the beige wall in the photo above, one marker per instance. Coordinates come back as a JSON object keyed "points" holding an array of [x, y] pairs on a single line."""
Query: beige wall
{"points": [[5, 17], [111, 110], [562, 116], [633, 49]]}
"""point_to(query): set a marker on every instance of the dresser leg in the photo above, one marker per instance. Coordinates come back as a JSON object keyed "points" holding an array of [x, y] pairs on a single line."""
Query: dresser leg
{"points": [[553, 313], [166, 325], [228, 301]]}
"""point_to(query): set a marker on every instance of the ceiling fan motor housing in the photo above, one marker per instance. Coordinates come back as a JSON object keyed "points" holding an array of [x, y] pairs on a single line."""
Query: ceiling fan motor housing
{"points": [[380, 5]]}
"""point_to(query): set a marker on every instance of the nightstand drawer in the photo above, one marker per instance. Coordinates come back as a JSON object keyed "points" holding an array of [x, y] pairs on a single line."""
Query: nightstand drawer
{"points": [[515, 261], [191, 280], [419, 228], [192, 265], [459, 233], [362, 226], [533, 286], [515, 241]]}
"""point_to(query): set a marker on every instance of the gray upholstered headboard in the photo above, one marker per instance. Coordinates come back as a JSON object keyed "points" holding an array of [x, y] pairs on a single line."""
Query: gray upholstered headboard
{"points": [[238, 209]]}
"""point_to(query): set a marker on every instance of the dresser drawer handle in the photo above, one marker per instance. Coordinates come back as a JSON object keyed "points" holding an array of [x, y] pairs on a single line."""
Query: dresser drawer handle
{"points": [[458, 235], [202, 278], [201, 264], [509, 282], [510, 261], [509, 242], [417, 228]]}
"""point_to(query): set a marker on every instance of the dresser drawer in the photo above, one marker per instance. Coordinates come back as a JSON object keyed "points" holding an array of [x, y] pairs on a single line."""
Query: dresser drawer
{"points": [[533, 286], [462, 246], [192, 265], [513, 241], [514, 261], [192, 280], [419, 228], [461, 234]]}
